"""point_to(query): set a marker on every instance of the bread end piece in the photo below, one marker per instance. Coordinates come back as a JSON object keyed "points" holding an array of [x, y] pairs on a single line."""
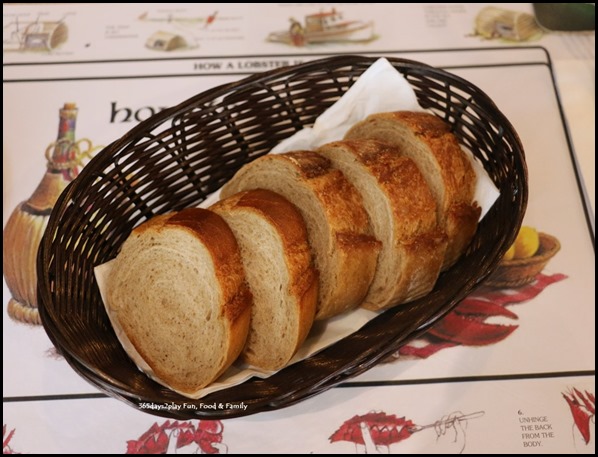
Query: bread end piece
{"points": [[177, 290]]}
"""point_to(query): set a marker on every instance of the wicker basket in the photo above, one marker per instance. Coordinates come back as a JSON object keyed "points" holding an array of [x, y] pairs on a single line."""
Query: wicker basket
{"points": [[519, 272], [177, 157]]}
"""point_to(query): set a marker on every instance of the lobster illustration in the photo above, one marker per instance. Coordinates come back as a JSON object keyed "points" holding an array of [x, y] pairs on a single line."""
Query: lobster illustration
{"points": [[466, 324], [180, 438], [375, 432], [6, 449], [583, 409]]}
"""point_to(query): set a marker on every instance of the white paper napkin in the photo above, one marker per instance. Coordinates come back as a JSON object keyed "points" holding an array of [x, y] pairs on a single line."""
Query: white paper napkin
{"points": [[379, 89]]}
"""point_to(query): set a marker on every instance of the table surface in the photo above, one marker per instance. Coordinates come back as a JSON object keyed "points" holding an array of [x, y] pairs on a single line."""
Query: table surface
{"points": [[521, 381]]}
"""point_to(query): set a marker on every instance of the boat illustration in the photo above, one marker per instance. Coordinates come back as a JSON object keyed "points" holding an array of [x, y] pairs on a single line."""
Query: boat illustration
{"points": [[324, 27]]}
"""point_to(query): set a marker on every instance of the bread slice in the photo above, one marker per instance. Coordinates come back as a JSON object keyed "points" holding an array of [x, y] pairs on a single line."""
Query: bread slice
{"points": [[428, 140], [281, 275], [403, 215], [177, 290], [339, 231]]}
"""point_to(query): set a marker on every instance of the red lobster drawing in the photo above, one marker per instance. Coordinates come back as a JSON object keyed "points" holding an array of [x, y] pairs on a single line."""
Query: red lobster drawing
{"points": [[180, 437], [6, 449], [583, 409], [375, 432], [466, 325], [384, 429]]}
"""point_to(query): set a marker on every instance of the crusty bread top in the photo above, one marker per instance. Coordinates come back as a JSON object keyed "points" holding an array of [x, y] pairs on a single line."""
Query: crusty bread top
{"points": [[413, 206], [339, 231], [289, 225], [217, 236], [457, 173], [403, 214], [345, 215], [278, 263], [177, 291], [448, 171]]}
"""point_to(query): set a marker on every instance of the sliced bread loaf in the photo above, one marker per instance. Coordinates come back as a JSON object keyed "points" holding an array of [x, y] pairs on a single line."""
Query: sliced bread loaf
{"points": [[403, 215], [339, 231], [177, 290], [280, 272], [428, 140]]}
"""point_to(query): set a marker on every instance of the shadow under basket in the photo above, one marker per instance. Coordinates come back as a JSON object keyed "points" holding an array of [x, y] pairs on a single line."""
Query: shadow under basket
{"points": [[176, 158]]}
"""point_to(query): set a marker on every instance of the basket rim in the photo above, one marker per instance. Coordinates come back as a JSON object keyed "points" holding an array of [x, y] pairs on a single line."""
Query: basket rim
{"points": [[223, 89]]}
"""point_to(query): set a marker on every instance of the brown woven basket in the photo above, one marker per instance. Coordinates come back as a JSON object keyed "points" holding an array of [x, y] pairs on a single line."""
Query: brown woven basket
{"points": [[177, 157], [519, 272]]}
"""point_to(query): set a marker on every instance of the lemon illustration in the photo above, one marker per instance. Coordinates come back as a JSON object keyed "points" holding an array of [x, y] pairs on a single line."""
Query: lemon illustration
{"points": [[527, 243], [510, 253]]}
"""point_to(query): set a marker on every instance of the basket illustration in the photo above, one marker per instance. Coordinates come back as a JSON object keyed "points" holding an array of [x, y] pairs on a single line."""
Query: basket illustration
{"points": [[519, 272], [176, 158]]}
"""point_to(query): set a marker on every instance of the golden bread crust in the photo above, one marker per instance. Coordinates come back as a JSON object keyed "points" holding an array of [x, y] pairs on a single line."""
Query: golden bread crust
{"points": [[290, 228], [429, 141], [352, 250]]}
